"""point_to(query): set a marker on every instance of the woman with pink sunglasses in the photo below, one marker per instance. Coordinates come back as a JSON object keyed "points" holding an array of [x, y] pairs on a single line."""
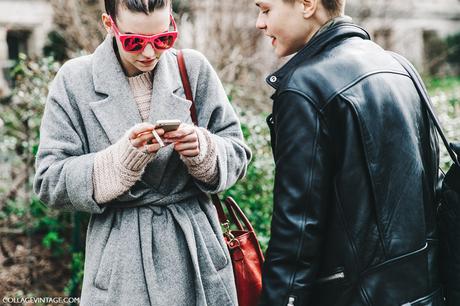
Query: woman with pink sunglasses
{"points": [[153, 236]]}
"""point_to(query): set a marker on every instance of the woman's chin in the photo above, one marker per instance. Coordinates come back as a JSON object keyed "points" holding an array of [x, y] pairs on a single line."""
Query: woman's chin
{"points": [[145, 68]]}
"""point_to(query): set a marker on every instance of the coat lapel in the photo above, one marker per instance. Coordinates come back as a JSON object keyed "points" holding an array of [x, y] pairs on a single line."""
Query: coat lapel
{"points": [[118, 112], [167, 103], [167, 98]]}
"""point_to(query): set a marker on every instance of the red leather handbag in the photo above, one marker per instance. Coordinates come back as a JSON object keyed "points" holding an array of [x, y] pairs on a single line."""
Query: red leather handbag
{"points": [[242, 243], [247, 257]]}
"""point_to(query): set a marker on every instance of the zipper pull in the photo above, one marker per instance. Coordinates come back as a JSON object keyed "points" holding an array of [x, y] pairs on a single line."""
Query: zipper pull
{"points": [[291, 301]]}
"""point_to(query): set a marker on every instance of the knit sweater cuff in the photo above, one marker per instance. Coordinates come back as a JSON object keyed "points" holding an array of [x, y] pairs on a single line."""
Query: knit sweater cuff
{"points": [[116, 169], [204, 166], [131, 158]]}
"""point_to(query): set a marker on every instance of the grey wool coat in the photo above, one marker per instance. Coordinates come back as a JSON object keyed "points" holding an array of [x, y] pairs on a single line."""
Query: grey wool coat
{"points": [[161, 242]]}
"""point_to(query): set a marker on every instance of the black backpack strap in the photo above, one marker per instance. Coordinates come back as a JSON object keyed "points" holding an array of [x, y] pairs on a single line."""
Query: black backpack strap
{"points": [[426, 101]]}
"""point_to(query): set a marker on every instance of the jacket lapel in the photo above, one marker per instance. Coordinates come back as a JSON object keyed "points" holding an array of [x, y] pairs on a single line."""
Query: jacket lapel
{"points": [[167, 103], [167, 98], [340, 30], [118, 112]]}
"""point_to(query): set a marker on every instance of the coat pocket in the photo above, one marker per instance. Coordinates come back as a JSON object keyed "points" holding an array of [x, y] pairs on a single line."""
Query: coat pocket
{"points": [[104, 271], [214, 248]]}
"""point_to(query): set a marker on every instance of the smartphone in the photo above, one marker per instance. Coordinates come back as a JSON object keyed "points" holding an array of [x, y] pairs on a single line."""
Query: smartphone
{"points": [[168, 125]]}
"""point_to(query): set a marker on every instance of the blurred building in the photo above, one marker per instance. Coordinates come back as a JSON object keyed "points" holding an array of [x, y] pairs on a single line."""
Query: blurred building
{"points": [[24, 26], [414, 28]]}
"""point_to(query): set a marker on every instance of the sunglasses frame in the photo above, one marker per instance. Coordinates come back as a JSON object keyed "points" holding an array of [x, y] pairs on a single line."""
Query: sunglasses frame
{"points": [[146, 38]]}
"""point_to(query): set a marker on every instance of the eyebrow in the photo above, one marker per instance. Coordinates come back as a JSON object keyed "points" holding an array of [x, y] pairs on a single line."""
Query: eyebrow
{"points": [[129, 33]]}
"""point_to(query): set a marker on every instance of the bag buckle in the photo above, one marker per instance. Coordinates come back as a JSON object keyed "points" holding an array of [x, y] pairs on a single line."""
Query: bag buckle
{"points": [[227, 231]]}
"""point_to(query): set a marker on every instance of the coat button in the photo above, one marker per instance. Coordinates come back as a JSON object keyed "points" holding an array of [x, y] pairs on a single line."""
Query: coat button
{"points": [[273, 79]]}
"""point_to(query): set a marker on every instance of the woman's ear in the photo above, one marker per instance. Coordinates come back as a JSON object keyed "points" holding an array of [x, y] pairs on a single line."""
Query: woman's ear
{"points": [[107, 23], [309, 7]]}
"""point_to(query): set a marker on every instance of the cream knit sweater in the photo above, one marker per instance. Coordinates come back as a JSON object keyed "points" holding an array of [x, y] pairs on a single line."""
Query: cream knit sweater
{"points": [[118, 167]]}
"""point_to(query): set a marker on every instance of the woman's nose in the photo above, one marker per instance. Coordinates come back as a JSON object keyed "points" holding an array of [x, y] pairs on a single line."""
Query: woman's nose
{"points": [[149, 51]]}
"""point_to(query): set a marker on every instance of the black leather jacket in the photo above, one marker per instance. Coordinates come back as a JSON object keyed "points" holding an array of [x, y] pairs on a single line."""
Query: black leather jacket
{"points": [[356, 170]]}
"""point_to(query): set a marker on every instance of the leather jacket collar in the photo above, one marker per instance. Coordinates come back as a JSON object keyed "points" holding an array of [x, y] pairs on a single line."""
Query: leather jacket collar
{"points": [[340, 30]]}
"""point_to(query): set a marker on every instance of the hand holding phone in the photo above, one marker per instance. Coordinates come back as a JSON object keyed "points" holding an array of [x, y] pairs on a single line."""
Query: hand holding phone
{"points": [[185, 140], [143, 136]]}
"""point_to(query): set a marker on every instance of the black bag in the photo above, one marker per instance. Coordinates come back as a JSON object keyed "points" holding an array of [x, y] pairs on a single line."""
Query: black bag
{"points": [[448, 197], [449, 232]]}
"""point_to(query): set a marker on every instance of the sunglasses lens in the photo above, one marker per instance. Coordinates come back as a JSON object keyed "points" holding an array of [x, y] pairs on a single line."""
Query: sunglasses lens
{"points": [[164, 42], [133, 44]]}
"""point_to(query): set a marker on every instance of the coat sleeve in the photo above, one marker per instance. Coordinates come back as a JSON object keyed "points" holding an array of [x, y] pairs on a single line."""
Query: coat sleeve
{"points": [[63, 178], [216, 114], [303, 186]]}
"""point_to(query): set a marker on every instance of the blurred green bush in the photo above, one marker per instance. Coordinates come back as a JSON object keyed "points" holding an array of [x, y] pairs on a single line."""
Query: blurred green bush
{"points": [[254, 192], [445, 95]]}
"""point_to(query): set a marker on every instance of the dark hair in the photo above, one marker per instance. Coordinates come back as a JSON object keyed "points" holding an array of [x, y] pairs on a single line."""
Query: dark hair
{"points": [[142, 6], [333, 6]]}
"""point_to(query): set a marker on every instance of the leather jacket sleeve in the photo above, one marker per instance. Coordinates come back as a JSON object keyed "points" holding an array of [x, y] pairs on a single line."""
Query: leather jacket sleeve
{"points": [[303, 185]]}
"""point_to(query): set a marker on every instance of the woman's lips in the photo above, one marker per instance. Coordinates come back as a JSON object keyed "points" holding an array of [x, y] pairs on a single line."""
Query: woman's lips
{"points": [[147, 62]]}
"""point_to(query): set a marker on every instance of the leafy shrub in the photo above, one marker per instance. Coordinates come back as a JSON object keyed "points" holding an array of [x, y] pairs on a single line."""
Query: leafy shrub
{"points": [[19, 137], [77, 268], [445, 94], [254, 192]]}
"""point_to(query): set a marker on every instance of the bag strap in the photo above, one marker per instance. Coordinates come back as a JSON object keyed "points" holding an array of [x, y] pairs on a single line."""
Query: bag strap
{"points": [[188, 94], [426, 101], [220, 211], [238, 214], [186, 84]]}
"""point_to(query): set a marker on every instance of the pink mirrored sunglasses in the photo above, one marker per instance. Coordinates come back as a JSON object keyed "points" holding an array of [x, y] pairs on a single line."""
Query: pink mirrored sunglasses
{"points": [[135, 43]]}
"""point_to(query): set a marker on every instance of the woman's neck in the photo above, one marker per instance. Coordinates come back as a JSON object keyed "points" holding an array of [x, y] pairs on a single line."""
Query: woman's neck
{"points": [[129, 71]]}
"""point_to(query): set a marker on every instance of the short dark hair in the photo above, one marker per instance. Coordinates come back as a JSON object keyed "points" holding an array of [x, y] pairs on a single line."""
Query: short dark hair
{"points": [[333, 6], [142, 6]]}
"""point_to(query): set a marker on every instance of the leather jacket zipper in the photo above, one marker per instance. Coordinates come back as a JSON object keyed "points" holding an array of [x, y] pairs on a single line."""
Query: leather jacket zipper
{"points": [[335, 276], [291, 301], [338, 275]]}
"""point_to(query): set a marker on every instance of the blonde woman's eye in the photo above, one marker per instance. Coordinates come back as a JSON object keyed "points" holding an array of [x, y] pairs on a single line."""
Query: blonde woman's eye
{"points": [[265, 12]]}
